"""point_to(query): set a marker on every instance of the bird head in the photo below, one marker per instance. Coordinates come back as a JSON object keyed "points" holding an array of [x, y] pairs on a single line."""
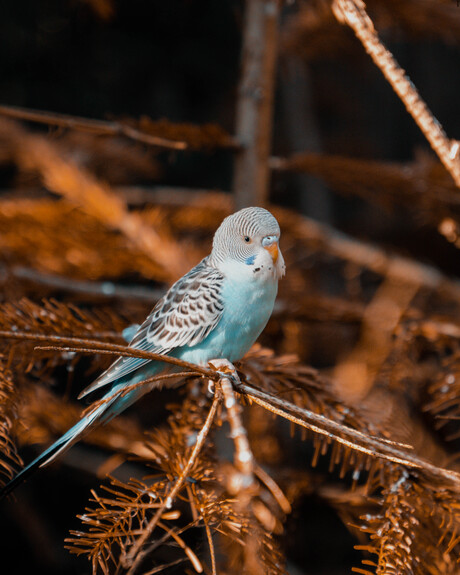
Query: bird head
{"points": [[249, 238]]}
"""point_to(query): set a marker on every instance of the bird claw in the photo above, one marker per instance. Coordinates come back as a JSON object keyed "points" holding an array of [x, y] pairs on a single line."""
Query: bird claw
{"points": [[211, 387], [225, 369]]}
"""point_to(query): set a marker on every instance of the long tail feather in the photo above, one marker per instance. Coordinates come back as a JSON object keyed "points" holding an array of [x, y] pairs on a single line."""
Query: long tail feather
{"points": [[61, 445]]}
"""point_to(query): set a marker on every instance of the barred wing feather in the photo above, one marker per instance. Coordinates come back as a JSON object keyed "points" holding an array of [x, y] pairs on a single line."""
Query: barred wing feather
{"points": [[184, 316]]}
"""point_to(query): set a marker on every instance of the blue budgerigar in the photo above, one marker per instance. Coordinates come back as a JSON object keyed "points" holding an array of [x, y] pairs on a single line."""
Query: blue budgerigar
{"points": [[214, 312]]}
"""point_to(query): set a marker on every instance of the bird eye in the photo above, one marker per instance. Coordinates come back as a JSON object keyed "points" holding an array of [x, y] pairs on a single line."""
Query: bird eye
{"points": [[247, 239]]}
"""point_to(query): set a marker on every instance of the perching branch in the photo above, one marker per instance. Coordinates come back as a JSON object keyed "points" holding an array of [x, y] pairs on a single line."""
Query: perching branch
{"points": [[244, 459], [356, 440]]}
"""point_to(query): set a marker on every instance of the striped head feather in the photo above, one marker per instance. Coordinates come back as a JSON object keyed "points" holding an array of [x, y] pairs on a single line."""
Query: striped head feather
{"points": [[245, 237]]}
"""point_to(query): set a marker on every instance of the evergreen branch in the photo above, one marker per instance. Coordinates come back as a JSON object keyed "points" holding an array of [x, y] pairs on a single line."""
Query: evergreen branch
{"points": [[344, 435], [135, 556]]}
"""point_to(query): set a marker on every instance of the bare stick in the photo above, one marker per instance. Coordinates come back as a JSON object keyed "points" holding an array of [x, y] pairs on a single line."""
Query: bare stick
{"points": [[86, 125], [353, 13], [135, 556], [84, 287], [255, 101]]}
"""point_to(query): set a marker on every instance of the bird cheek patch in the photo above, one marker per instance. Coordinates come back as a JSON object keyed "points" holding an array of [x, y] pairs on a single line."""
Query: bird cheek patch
{"points": [[250, 260]]}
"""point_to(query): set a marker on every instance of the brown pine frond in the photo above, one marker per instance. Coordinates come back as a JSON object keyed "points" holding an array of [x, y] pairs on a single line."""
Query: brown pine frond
{"points": [[415, 529], [114, 160], [42, 414], [305, 387], [61, 175], [55, 237], [206, 136], [9, 458], [442, 400], [119, 519], [117, 522], [248, 547], [53, 317]]}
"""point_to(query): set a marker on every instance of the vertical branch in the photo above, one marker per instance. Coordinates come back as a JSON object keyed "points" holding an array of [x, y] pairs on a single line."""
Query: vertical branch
{"points": [[255, 102], [353, 13]]}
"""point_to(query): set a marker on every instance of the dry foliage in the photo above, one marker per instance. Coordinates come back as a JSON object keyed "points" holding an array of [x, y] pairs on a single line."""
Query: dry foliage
{"points": [[371, 431], [215, 522]]}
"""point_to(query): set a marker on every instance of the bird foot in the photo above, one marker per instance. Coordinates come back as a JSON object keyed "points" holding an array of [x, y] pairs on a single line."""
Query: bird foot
{"points": [[226, 369]]}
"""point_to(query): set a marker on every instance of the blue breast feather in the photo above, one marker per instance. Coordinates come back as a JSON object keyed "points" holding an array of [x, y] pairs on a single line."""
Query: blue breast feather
{"points": [[247, 309]]}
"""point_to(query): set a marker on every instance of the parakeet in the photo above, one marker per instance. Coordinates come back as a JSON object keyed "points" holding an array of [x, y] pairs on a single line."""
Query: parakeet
{"points": [[215, 311]]}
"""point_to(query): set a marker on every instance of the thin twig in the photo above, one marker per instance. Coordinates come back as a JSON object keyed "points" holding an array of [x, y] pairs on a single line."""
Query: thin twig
{"points": [[100, 127], [92, 288], [190, 554], [212, 551], [132, 386], [343, 434], [273, 487], [135, 556], [353, 13], [352, 438]]}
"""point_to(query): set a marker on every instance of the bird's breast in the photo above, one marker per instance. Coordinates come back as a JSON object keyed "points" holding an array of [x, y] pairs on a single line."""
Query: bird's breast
{"points": [[247, 309]]}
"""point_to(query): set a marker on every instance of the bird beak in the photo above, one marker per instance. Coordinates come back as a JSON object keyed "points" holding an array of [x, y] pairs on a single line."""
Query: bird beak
{"points": [[273, 250]]}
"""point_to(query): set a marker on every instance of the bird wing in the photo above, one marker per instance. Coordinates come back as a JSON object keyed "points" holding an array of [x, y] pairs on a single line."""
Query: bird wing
{"points": [[185, 315]]}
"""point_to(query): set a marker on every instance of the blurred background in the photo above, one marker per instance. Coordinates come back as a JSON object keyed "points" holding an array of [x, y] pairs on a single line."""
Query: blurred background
{"points": [[180, 60], [172, 69]]}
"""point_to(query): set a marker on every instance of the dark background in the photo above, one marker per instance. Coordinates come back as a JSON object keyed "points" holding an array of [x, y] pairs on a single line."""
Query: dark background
{"points": [[179, 59]]}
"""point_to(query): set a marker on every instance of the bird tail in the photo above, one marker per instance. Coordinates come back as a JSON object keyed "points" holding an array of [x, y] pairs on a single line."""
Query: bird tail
{"points": [[112, 405]]}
